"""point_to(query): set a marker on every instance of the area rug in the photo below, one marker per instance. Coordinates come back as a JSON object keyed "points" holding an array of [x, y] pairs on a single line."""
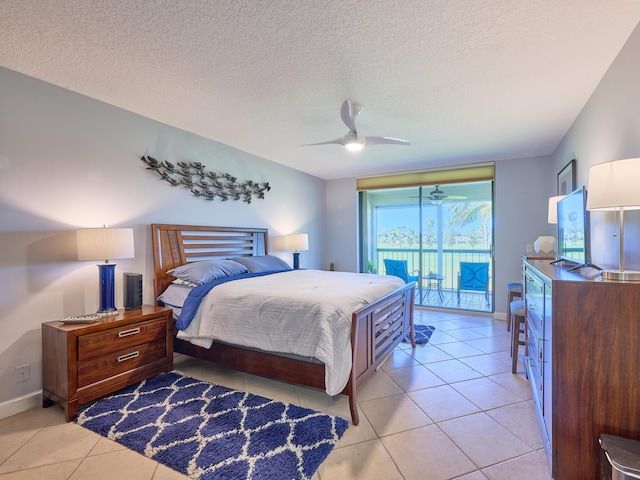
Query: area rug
{"points": [[422, 333], [207, 431]]}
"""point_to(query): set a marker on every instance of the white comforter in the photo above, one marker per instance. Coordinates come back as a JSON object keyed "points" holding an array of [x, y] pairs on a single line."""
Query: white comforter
{"points": [[304, 312]]}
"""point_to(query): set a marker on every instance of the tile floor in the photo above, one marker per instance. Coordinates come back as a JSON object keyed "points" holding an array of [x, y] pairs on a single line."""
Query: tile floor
{"points": [[450, 409], [449, 299]]}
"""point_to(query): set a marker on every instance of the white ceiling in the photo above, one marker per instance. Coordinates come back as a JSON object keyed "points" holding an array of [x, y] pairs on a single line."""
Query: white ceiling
{"points": [[462, 80]]}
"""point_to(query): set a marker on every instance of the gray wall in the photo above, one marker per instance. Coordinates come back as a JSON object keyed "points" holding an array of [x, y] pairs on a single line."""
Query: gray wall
{"points": [[342, 220], [522, 194]]}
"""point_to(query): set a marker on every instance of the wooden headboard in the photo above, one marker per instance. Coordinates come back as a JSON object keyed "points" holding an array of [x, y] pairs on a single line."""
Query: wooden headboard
{"points": [[175, 245]]}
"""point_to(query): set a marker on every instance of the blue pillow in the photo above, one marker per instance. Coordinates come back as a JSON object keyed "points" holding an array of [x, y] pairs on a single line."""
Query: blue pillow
{"points": [[263, 263], [207, 270]]}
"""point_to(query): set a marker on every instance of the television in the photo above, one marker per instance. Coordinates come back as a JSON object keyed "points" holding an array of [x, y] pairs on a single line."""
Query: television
{"points": [[573, 229]]}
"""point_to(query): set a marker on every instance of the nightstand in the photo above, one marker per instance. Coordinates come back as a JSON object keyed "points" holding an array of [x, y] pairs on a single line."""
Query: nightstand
{"points": [[83, 362]]}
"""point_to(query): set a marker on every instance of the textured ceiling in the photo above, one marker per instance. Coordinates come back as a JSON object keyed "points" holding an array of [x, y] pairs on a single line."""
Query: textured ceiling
{"points": [[462, 80]]}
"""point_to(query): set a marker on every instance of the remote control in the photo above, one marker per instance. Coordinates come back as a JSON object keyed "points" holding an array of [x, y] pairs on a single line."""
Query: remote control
{"points": [[81, 319]]}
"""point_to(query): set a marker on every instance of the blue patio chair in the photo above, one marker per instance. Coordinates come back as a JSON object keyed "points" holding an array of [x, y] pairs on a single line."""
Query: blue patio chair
{"points": [[400, 269], [474, 277]]}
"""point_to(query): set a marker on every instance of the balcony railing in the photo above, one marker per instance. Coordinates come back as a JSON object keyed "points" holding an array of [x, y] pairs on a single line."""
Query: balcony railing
{"points": [[445, 263]]}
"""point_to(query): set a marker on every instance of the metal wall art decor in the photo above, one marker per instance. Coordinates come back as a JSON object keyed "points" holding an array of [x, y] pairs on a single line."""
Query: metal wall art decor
{"points": [[205, 184]]}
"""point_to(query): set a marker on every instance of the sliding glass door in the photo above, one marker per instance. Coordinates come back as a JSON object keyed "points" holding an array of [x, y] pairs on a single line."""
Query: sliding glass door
{"points": [[444, 234]]}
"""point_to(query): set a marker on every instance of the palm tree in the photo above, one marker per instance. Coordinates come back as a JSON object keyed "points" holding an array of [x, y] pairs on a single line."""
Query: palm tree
{"points": [[430, 236], [464, 213]]}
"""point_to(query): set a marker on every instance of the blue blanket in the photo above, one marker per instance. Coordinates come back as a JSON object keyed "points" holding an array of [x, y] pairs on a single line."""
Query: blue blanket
{"points": [[196, 295]]}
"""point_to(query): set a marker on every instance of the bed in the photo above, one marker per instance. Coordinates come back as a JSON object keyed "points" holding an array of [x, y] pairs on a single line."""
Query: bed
{"points": [[376, 328]]}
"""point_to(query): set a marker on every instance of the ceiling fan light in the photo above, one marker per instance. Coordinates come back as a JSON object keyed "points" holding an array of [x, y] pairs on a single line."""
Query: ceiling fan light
{"points": [[437, 196], [353, 146], [351, 143]]}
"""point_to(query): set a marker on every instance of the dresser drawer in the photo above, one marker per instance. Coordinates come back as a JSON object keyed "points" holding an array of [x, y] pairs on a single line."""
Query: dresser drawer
{"points": [[534, 320], [534, 350], [534, 289], [112, 364], [119, 338], [536, 370]]}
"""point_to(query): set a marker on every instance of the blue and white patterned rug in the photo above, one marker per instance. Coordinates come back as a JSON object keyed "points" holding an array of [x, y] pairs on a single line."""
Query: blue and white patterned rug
{"points": [[207, 431], [422, 333]]}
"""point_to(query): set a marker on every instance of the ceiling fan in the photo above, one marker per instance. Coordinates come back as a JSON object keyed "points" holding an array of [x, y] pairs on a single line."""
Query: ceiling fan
{"points": [[354, 140], [437, 196]]}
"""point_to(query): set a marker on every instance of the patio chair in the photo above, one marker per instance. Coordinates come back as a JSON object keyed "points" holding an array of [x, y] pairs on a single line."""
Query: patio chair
{"points": [[400, 269], [474, 277]]}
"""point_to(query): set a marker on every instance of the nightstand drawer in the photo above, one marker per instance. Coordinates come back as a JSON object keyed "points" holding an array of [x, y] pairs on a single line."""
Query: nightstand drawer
{"points": [[101, 343], [112, 364]]}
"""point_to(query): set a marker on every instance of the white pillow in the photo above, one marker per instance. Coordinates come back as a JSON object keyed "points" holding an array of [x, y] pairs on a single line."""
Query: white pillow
{"points": [[175, 295], [177, 281], [207, 270]]}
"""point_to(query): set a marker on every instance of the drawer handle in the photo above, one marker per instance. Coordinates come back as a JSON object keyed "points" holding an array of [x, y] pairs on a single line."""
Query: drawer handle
{"points": [[126, 333], [128, 356], [540, 355]]}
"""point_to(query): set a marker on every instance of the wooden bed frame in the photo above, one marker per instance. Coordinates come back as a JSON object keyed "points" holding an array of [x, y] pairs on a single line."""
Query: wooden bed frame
{"points": [[377, 328]]}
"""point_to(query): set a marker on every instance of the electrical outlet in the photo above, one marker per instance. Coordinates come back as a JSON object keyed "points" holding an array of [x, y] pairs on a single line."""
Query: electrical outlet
{"points": [[529, 247], [22, 373]]}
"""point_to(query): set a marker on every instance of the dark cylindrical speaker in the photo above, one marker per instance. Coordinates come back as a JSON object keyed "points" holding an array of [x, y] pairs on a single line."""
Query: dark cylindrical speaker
{"points": [[132, 291]]}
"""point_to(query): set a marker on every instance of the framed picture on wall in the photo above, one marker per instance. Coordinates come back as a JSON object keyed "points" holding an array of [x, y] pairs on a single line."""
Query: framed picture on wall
{"points": [[567, 178]]}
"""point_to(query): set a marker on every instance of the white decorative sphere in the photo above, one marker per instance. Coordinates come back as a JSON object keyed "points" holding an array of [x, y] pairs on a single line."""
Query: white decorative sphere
{"points": [[545, 246]]}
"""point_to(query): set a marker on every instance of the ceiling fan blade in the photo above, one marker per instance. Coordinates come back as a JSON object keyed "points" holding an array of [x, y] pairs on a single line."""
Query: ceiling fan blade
{"points": [[337, 141], [348, 116], [354, 140], [386, 140]]}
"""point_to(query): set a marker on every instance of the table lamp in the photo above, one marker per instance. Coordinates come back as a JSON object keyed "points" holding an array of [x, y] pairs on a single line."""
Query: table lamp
{"points": [[105, 244], [613, 186], [296, 242], [552, 215]]}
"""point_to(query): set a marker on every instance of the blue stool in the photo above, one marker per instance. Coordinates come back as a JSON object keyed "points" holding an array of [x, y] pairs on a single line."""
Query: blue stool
{"points": [[514, 290]]}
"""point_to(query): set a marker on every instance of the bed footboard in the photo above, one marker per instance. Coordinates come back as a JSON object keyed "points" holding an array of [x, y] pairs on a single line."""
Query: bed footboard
{"points": [[377, 329]]}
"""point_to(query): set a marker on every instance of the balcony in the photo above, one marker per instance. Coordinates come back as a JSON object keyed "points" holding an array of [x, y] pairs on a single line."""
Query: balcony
{"points": [[441, 289]]}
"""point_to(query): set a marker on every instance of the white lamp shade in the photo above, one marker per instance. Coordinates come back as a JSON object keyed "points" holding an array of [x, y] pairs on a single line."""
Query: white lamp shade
{"points": [[105, 243], [296, 242], [614, 185], [552, 216]]}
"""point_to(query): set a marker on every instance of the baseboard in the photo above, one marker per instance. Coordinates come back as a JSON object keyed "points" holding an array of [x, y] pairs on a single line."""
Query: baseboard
{"points": [[21, 404], [500, 316]]}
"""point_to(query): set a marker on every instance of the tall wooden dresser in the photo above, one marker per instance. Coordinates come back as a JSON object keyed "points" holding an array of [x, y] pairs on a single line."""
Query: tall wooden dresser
{"points": [[583, 363]]}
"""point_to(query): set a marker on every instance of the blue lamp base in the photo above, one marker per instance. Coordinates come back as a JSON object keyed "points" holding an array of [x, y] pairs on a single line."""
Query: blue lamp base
{"points": [[107, 289], [296, 260]]}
